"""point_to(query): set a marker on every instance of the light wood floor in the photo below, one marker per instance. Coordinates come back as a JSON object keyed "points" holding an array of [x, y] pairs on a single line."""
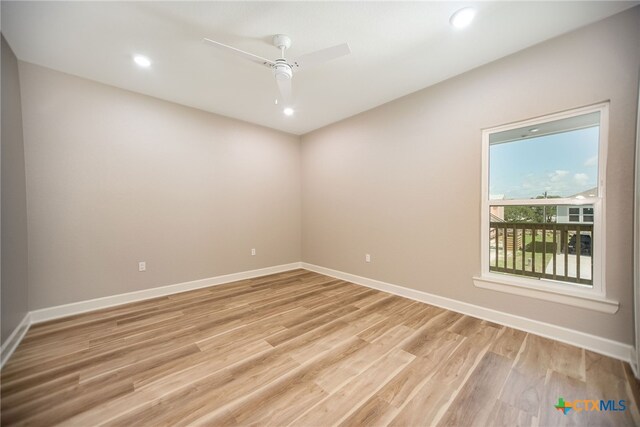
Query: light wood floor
{"points": [[303, 349]]}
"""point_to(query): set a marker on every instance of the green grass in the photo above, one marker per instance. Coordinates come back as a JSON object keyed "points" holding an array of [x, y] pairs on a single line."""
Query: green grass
{"points": [[540, 263], [538, 260]]}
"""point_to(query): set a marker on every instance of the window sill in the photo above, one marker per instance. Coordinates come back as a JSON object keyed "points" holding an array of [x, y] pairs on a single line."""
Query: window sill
{"points": [[515, 287]]}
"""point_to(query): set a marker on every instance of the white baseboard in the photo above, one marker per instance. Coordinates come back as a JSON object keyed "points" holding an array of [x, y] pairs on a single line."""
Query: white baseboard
{"points": [[597, 344], [10, 345], [634, 363], [50, 313], [600, 345]]}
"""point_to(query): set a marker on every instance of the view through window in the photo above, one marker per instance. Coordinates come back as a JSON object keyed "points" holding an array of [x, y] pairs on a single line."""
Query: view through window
{"points": [[544, 202]]}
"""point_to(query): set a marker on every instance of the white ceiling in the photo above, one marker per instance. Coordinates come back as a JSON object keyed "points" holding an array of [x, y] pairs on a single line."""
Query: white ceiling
{"points": [[397, 48]]}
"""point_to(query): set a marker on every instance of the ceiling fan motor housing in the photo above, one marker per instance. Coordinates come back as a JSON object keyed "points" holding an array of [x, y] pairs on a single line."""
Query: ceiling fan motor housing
{"points": [[282, 41], [282, 70]]}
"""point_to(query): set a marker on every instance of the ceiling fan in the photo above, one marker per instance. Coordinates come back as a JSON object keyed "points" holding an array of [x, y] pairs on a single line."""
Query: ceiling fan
{"points": [[282, 68]]}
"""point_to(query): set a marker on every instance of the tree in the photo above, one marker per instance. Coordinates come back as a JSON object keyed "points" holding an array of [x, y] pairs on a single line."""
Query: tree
{"points": [[521, 214], [535, 213]]}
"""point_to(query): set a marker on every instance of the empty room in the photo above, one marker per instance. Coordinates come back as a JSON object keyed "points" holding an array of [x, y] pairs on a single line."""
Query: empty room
{"points": [[320, 213]]}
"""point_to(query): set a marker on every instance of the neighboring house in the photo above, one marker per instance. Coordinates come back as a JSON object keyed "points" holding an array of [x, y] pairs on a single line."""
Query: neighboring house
{"points": [[577, 214], [497, 212]]}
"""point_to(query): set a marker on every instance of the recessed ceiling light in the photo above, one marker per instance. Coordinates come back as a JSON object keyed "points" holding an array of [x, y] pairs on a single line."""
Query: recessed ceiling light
{"points": [[142, 61], [463, 17], [534, 130], [288, 111]]}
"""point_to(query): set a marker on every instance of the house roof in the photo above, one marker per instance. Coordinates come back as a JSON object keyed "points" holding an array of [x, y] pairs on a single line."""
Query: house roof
{"points": [[592, 192]]}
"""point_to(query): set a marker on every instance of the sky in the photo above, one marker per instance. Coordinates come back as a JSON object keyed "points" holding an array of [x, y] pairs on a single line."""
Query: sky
{"points": [[563, 164]]}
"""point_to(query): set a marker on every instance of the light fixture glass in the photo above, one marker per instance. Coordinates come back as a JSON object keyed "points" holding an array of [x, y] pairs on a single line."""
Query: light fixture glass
{"points": [[288, 111], [142, 61], [462, 17]]}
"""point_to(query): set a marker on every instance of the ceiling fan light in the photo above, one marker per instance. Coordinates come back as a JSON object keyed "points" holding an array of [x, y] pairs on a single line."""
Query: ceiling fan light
{"points": [[283, 72], [462, 18]]}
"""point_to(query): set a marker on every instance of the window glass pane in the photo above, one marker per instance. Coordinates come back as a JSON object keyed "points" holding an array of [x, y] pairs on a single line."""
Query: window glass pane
{"points": [[540, 242], [587, 211], [574, 211], [588, 218], [549, 160], [574, 218]]}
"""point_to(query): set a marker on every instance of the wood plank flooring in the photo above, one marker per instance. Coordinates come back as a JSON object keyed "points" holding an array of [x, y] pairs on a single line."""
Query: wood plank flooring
{"points": [[299, 348]]}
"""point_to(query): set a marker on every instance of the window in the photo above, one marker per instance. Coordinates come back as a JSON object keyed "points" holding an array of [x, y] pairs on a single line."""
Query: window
{"points": [[574, 214], [543, 203], [587, 214]]}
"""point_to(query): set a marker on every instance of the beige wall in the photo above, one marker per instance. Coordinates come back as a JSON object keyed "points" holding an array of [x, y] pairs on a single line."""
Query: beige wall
{"points": [[13, 291], [402, 181], [115, 177]]}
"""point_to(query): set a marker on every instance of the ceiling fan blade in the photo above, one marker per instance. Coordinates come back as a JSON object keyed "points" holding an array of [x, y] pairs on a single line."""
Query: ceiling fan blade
{"points": [[246, 55], [320, 56], [284, 86]]}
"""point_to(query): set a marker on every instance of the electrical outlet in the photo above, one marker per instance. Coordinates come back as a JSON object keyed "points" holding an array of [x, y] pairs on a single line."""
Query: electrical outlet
{"points": [[142, 266], [367, 258], [253, 252]]}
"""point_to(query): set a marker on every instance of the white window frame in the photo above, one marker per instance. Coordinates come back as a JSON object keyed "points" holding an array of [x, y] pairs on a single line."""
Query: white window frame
{"points": [[592, 297]]}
